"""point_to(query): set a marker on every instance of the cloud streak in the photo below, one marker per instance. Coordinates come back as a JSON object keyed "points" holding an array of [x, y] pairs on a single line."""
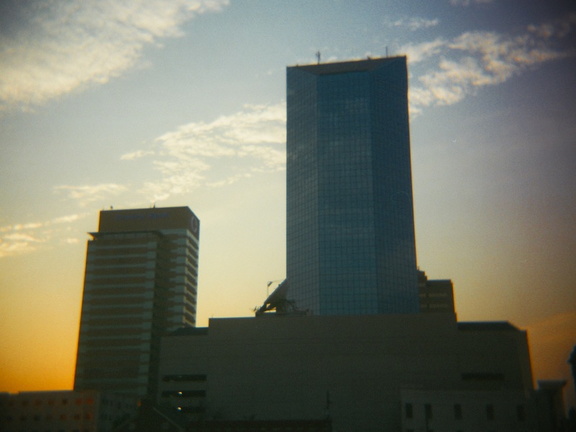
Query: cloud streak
{"points": [[24, 238], [201, 154], [468, 2], [63, 46], [220, 152], [477, 59], [413, 23], [87, 194]]}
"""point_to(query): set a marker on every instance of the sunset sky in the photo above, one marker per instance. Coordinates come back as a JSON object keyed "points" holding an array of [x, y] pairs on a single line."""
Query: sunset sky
{"points": [[182, 103]]}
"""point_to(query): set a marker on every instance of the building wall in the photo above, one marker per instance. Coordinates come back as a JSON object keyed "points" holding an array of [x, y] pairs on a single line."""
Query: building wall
{"points": [[351, 368], [436, 296], [140, 283], [63, 411], [467, 411], [350, 223]]}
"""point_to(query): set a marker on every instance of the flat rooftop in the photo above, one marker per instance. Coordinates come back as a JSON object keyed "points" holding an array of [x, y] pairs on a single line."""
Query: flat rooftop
{"points": [[348, 66]]}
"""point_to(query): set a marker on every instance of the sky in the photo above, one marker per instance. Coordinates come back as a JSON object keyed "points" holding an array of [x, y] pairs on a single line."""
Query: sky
{"points": [[182, 103]]}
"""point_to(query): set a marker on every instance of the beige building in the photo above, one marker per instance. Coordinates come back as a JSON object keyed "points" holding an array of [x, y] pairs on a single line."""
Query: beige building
{"points": [[140, 283], [357, 370]]}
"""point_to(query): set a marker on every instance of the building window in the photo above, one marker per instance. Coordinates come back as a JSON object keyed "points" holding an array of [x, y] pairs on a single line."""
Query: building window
{"points": [[408, 410], [189, 378], [428, 411], [520, 413], [458, 412], [184, 393], [490, 412], [193, 410], [482, 376]]}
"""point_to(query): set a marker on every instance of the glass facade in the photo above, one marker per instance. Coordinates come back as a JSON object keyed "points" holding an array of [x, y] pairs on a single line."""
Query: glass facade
{"points": [[350, 223]]}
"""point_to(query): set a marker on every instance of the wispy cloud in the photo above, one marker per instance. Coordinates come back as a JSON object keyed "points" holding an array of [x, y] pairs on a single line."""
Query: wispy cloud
{"points": [[87, 194], [412, 23], [23, 238], [136, 154], [468, 2], [59, 46], [247, 142], [419, 52], [210, 154], [476, 59]]}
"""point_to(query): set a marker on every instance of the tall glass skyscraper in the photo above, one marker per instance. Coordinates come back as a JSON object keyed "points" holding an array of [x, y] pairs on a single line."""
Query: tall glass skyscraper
{"points": [[140, 283], [350, 221]]}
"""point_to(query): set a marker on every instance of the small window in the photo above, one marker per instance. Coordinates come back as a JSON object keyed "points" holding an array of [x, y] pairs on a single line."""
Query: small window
{"points": [[428, 411], [193, 410], [458, 412], [521, 413], [490, 412], [408, 410]]}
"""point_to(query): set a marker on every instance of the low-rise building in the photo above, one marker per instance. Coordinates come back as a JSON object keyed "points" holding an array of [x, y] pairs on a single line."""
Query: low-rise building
{"points": [[357, 371], [63, 411]]}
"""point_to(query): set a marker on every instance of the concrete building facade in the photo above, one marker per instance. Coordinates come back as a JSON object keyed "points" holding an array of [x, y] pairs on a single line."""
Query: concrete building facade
{"points": [[354, 370], [63, 411], [350, 224], [140, 283]]}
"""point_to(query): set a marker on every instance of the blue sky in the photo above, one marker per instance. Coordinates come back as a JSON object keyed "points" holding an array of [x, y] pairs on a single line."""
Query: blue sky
{"points": [[131, 104]]}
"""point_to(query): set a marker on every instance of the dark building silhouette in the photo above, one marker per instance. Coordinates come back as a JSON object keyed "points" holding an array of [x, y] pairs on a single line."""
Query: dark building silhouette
{"points": [[140, 283], [436, 295], [357, 371], [350, 223], [572, 362], [64, 411]]}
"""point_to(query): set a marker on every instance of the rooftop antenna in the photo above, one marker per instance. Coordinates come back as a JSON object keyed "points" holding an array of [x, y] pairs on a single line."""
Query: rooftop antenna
{"points": [[318, 56]]}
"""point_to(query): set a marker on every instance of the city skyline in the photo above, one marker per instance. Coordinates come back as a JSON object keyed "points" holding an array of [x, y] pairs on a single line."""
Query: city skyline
{"points": [[183, 104]]}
